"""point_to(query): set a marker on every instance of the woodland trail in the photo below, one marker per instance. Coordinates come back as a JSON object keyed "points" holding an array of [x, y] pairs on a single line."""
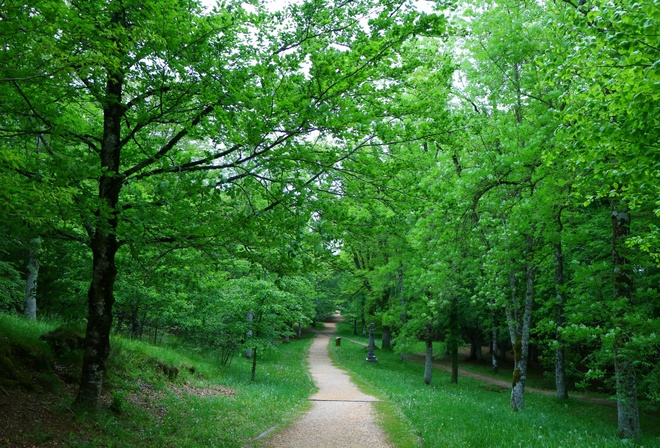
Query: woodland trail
{"points": [[419, 359], [341, 415]]}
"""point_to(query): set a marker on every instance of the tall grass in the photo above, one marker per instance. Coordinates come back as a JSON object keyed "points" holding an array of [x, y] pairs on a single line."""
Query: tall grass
{"points": [[469, 414], [17, 328]]}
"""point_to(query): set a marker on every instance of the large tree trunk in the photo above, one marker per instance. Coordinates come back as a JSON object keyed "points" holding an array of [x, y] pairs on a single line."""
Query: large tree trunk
{"points": [[100, 299], [476, 341], [31, 281], [626, 381], [100, 296], [626, 396]]}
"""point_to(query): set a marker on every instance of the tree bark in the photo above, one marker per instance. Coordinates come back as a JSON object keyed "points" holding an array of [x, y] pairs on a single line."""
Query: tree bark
{"points": [[135, 322], [476, 340], [560, 368], [626, 381], [104, 245], [250, 318], [253, 374], [493, 342], [521, 340], [32, 277], [453, 338], [626, 396], [428, 359], [387, 338]]}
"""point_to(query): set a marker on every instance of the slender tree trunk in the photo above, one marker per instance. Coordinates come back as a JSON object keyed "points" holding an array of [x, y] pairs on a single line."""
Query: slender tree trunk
{"points": [[254, 364], [386, 340], [626, 381], [250, 318], [521, 341], [135, 322], [560, 369], [428, 358], [493, 342], [404, 313], [32, 277], [100, 296], [453, 338]]}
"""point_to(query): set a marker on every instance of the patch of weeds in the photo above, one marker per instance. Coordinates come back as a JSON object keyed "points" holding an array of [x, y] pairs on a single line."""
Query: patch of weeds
{"points": [[118, 404], [493, 388]]}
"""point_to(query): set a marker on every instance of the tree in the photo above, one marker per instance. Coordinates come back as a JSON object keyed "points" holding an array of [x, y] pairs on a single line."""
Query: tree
{"points": [[129, 95], [611, 116]]}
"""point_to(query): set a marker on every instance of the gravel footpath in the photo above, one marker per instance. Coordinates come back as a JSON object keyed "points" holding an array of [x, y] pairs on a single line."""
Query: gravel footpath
{"points": [[341, 415]]}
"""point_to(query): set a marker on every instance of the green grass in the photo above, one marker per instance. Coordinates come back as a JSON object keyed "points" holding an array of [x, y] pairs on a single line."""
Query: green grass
{"points": [[15, 328], [535, 378], [145, 407], [467, 414]]}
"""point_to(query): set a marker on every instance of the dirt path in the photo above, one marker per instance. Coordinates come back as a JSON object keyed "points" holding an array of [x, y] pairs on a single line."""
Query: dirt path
{"points": [[419, 359], [341, 415]]}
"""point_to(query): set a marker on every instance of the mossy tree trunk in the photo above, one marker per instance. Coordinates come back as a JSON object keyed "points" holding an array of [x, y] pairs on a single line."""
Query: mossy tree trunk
{"points": [[519, 329], [104, 245], [560, 368], [32, 277], [493, 341], [626, 381]]}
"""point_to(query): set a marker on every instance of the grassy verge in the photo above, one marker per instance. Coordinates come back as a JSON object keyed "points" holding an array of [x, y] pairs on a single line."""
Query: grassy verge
{"points": [[160, 396], [535, 377], [467, 414]]}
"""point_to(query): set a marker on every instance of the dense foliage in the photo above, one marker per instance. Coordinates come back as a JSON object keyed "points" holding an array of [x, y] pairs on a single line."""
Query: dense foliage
{"points": [[487, 173]]}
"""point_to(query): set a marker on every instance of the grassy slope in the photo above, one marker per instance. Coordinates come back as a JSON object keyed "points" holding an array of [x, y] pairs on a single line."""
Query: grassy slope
{"points": [[199, 405], [473, 414]]}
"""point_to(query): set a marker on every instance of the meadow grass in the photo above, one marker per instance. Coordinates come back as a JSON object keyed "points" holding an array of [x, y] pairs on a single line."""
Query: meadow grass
{"points": [[468, 414]]}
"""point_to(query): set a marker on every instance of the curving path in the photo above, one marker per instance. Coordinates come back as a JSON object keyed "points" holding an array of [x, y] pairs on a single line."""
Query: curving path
{"points": [[341, 415]]}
